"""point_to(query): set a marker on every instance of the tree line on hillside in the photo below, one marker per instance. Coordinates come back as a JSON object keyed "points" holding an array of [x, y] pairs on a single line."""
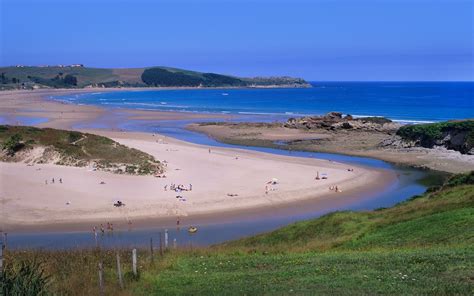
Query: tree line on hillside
{"points": [[4, 79], [59, 81], [163, 77]]}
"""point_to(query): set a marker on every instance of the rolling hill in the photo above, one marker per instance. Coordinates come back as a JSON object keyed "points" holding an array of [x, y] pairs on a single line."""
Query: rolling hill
{"points": [[77, 76]]}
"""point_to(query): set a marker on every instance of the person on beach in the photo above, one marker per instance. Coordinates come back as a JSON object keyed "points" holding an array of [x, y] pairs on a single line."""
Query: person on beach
{"points": [[102, 230], [52, 181], [266, 189], [61, 180], [166, 187], [209, 150], [190, 187]]}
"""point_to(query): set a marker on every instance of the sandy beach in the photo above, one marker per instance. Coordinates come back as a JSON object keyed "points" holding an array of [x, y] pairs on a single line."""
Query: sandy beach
{"points": [[223, 180]]}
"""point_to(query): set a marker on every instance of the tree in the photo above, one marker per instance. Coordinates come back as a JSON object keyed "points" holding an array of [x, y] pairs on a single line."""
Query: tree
{"points": [[3, 78], [70, 80], [13, 144]]}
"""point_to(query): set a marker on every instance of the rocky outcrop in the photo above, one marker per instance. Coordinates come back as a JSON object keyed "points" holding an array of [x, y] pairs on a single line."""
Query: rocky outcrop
{"points": [[336, 121], [452, 135]]}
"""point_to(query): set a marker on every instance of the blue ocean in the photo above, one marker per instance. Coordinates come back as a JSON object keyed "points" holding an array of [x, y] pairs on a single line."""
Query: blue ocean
{"points": [[410, 102]]}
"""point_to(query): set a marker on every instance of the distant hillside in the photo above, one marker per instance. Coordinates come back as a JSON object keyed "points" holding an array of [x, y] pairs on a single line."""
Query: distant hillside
{"points": [[77, 76]]}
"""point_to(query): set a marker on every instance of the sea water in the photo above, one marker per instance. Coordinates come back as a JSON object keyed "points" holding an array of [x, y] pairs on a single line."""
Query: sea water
{"points": [[410, 102]]}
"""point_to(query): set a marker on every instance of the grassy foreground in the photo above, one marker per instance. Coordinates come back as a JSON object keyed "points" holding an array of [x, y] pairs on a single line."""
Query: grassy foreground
{"points": [[419, 247]]}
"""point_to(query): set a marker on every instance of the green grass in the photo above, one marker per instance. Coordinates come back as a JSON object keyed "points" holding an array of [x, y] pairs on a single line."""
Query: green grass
{"points": [[413, 272], [424, 246], [80, 149]]}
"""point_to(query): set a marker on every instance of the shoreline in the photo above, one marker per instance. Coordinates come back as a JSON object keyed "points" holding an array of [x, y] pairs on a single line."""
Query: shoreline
{"points": [[320, 141], [70, 115], [357, 190]]}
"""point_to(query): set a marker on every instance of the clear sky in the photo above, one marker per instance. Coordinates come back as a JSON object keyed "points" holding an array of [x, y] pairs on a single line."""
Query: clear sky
{"points": [[316, 40]]}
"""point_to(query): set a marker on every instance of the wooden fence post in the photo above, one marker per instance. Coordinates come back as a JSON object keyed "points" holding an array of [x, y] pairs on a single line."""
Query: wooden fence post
{"points": [[96, 240], [166, 239], [1, 259], [5, 239], [151, 249], [101, 279], [134, 262], [161, 245], [119, 271]]}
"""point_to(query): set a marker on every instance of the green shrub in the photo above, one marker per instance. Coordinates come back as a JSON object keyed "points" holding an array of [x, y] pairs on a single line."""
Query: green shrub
{"points": [[461, 179], [13, 144], [427, 134], [374, 119], [28, 278]]}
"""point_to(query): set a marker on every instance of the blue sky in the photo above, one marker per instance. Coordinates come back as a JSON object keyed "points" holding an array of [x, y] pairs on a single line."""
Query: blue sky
{"points": [[316, 40]]}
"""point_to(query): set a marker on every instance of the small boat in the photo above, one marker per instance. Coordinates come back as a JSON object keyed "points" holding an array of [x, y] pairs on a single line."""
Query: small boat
{"points": [[192, 229], [225, 94]]}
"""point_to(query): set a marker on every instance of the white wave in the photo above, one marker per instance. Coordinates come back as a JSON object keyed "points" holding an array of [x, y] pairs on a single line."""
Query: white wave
{"points": [[404, 121], [271, 113], [407, 121]]}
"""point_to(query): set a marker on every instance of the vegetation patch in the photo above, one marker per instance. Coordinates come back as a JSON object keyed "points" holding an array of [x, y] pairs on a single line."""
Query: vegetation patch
{"points": [[75, 149], [457, 135], [374, 119]]}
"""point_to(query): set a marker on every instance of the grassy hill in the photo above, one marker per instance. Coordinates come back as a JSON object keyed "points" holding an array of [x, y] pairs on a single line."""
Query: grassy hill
{"points": [[423, 246], [53, 76], [36, 145]]}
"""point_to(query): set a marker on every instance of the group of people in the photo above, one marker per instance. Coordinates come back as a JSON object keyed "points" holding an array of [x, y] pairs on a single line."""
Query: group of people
{"points": [[52, 181], [110, 228], [178, 188], [335, 188]]}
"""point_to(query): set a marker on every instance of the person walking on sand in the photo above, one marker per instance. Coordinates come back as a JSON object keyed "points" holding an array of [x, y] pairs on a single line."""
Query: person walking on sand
{"points": [[209, 150], [190, 187], [52, 181], [61, 180], [166, 187]]}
